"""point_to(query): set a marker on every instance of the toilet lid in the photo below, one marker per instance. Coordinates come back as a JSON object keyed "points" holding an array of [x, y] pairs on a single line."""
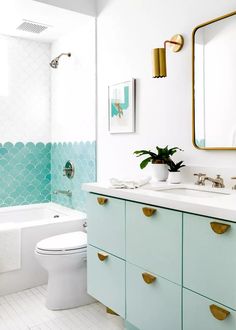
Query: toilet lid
{"points": [[64, 242]]}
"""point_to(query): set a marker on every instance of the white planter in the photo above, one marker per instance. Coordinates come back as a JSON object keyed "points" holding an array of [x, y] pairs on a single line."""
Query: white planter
{"points": [[160, 172], [174, 177]]}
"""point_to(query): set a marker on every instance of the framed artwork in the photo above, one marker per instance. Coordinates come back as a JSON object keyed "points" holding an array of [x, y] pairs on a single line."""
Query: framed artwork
{"points": [[121, 98]]}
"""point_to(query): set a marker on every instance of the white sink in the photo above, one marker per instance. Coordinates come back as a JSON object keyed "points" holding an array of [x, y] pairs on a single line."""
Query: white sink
{"points": [[191, 191]]}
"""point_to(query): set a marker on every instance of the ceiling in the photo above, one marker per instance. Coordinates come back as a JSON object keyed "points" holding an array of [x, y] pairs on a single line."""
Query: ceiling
{"points": [[59, 21]]}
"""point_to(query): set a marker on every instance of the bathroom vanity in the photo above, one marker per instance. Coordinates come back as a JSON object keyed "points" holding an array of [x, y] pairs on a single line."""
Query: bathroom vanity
{"points": [[164, 259]]}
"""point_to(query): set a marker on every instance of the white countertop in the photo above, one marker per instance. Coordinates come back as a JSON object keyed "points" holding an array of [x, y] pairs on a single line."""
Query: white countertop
{"points": [[220, 207]]}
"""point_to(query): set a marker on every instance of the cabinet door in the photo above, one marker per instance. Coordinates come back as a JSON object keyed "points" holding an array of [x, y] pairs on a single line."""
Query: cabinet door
{"points": [[154, 304], [197, 314], [209, 266], [106, 279], [154, 241], [106, 224]]}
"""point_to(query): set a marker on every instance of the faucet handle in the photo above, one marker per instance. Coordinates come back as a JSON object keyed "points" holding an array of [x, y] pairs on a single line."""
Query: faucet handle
{"points": [[234, 186], [200, 179]]}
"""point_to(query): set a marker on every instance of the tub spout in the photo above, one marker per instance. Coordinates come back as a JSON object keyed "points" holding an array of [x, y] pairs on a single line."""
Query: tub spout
{"points": [[63, 192]]}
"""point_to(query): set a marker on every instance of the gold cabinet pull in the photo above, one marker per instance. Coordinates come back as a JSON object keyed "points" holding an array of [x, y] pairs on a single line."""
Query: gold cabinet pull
{"points": [[219, 228], [148, 211], [148, 278], [219, 313], [110, 311], [102, 200], [102, 256]]}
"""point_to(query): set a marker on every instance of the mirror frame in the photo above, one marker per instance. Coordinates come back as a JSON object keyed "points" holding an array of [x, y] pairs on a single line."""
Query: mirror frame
{"points": [[193, 85]]}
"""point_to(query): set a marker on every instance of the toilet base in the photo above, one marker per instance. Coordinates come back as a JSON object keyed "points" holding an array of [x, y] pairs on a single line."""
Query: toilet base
{"points": [[67, 279], [67, 290]]}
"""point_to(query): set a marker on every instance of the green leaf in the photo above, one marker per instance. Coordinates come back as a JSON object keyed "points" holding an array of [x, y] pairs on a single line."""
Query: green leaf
{"points": [[145, 162]]}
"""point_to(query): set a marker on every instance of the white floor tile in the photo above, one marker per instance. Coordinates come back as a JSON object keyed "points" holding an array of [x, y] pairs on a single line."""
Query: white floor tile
{"points": [[26, 310]]}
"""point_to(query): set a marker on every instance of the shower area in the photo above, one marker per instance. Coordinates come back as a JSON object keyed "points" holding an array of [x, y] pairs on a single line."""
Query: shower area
{"points": [[47, 132], [47, 107]]}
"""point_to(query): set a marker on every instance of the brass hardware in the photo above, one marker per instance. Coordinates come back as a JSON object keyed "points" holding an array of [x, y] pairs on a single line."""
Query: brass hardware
{"points": [[159, 55], [219, 228], [148, 278], [193, 87], [102, 200], [148, 212], [177, 43], [200, 179], [234, 178], [110, 311], [219, 313], [218, 182], [102, 256], [159, 62]]}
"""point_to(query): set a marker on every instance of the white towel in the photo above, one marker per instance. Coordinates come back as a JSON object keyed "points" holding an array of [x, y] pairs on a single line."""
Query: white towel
{"points": [[10, 247], [129, 183]]}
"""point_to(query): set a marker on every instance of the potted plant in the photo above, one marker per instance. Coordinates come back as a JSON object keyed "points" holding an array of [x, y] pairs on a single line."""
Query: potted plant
{"points": [[174, 171], [159, 160]]}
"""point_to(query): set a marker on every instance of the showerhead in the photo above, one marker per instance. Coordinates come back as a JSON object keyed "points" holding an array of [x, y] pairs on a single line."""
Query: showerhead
{"points": [[55, 62]]}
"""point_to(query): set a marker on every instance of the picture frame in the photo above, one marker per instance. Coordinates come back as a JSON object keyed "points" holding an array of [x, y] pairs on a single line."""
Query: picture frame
{"points": [[121, 107]]}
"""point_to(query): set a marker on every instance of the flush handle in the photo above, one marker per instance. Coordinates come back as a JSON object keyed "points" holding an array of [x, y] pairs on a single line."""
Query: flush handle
{"points": [[148, 278], [219, 228], [148, 211], [102, 200], [102, 256], [219, 313]]}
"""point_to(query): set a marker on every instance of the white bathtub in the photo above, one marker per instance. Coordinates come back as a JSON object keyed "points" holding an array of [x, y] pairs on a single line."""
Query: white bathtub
{"points": [[37, 222]]}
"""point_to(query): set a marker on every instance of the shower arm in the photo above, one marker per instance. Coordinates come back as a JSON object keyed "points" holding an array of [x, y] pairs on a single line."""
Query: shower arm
{"points": [[67, 54]]}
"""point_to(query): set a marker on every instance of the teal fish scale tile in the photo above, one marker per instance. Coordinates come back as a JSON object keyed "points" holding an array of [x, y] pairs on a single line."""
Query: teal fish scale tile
{"points": [[25, 173], [83, 155]]}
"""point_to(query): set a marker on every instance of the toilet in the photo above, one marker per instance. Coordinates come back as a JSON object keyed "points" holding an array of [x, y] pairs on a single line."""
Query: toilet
{"points": [[64, 258]]}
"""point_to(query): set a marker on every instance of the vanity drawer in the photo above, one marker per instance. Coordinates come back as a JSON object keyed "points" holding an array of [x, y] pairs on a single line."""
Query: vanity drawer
{"points": [[197, 314], [153, 305], [154, 242], [209, 258], [106, 279], [106, 224]]}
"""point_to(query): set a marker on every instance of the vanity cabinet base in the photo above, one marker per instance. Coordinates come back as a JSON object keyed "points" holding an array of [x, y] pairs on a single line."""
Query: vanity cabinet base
{"points": [[151, 302], [197, 314], [106, 279]]}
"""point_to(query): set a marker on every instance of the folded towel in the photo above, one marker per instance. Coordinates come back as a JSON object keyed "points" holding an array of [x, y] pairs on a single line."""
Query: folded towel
{"points": [[10, 247], [129, 183]]}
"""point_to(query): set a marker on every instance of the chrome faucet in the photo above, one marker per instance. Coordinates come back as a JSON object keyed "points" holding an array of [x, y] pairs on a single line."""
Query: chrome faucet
{"points": [[63, 192], [218, 182]]}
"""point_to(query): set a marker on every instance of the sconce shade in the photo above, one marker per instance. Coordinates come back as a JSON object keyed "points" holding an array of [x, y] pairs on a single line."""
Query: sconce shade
{"points": [[159, 62]]}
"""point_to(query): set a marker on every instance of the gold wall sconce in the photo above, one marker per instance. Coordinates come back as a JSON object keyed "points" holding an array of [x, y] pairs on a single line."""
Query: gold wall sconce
{"points": [[159, 55]]}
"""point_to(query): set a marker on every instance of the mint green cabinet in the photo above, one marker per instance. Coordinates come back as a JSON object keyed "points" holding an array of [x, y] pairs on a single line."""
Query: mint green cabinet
{"points": [[210, 258], [197, 314], [106, 279], [106, 224], [154, 242], [152, 306]]}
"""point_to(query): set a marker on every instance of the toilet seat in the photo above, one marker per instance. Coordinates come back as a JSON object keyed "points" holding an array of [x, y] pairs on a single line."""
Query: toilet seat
{"points": [[70, 243]]}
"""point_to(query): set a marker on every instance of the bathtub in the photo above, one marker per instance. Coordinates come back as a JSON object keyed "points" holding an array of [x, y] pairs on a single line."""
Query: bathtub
{"points": [[36, 222]]}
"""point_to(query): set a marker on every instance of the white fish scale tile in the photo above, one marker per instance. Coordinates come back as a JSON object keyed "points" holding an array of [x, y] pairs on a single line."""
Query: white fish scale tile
{"points": [[26, 310]]}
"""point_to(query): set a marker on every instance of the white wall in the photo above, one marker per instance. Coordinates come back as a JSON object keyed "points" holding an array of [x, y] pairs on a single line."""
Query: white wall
{"points": [[127, 32], [87, 7], [73, 86], [24, 90]]}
